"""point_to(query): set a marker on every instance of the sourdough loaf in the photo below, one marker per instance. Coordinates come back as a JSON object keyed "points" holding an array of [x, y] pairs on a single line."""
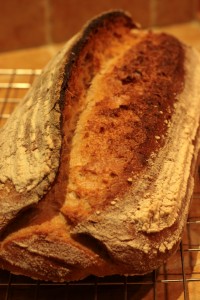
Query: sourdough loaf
{"points": [[97, 162]]}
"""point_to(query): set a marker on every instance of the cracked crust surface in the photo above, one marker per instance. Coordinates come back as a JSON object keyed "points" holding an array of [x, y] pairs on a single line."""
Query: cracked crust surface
{"points": [[107, 180]]}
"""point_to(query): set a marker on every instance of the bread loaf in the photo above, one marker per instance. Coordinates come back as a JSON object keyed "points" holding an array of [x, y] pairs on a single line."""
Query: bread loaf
{"points": [[97, 162]]}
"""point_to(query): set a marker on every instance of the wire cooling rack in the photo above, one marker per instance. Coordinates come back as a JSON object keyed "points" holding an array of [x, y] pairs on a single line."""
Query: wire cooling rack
{"points": [[178, 279]]}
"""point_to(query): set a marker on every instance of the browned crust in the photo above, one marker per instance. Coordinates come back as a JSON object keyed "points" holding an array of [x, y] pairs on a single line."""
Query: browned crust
{"points": [[129, 122]]}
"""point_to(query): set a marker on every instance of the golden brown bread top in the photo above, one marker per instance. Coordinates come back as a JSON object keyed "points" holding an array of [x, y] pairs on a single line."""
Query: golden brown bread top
{"points": [[127, 110]]}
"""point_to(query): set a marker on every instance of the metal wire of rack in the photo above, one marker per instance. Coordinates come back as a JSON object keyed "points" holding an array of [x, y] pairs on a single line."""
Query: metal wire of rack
{"points": [[179, 278]]}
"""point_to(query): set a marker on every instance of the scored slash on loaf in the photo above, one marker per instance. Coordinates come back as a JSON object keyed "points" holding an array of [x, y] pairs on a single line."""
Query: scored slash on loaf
{"points": [[98, 160]]}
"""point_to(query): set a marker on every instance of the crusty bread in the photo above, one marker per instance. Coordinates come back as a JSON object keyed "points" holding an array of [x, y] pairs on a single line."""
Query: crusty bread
{"points": [[97, 162]]}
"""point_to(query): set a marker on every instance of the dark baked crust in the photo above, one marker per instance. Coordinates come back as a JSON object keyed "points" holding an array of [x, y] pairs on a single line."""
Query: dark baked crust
{"points": [[103, 23]]}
